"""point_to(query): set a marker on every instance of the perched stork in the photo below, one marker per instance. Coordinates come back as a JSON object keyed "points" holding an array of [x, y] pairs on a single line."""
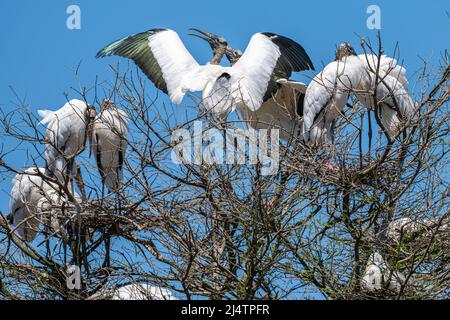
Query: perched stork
{"points": [[394, 102], [353, 75], [109, 144], [378, 275], [328, 93], [283, 108], [27, 190], [66, 136], [162, 56], [406, 227], [134, 292], [400, 228]]}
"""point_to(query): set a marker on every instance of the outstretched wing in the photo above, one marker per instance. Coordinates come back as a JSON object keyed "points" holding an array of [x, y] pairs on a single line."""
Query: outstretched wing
{"points": [[293, 56], [268, 58], [161, 55], [293, 59]]}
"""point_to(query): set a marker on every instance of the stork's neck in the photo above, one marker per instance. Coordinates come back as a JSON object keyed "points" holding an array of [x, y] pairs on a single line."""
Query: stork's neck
{"points": [[218, 55]]}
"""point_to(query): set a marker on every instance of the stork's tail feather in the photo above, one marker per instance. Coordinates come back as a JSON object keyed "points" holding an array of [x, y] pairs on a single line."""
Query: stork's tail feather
{"points": [[46, 116], [390, 120], [319, 135]]}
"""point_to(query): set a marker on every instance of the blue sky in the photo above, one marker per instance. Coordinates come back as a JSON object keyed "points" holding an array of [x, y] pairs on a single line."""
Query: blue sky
{"points": [[39, 54]]}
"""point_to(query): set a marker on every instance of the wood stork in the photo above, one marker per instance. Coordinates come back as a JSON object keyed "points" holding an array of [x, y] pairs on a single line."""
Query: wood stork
{"points": [[108, 143], [162, 56], [66, 136], [406, 227], [27, 190], [378, 275], [350, 75], [328, 93], [400, 228], [395, 105], [134, 292], [282, 109]]}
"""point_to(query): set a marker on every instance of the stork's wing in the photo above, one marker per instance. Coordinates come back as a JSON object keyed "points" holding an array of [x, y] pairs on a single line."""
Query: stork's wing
{"points": [[294, 56], [296, 85], [268, 57], [394, 81], [332, 86], [393, 88], [389, 90], [297, 91], [393, 85], [317, 97], [160, 54], [293, 59], [388, 66]]}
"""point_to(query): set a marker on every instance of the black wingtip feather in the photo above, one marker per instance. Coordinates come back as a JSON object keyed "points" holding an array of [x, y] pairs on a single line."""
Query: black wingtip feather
{"points": [[293, 51], [135, 47], [119, 46]]}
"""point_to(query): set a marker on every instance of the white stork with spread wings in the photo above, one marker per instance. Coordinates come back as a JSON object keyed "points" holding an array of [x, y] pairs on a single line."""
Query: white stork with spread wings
{"points": [[283, 107], [162, 56]]}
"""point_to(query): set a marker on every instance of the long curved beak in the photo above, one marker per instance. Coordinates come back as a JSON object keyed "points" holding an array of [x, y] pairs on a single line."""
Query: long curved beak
{"points": [[207, 36]]}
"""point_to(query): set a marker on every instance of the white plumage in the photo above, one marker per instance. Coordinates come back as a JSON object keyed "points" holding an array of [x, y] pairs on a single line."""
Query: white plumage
{"points": [[328, 93], [392, 84], [66, 137], [283, 111], [27, 190], [352, 75], [180, 70], [378, 275], [109, 144], [400, 228], [406, 227], [164, 59], [140, 291]]}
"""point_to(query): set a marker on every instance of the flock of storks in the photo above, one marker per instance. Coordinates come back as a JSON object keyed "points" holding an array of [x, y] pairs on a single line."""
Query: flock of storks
{"points": [[256, 83]]}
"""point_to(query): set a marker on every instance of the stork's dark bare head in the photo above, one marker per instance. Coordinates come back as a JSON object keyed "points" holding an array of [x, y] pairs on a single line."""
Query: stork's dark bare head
{"points": [[217, 44], [214, 41], [233, 55], [344, 50]]}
